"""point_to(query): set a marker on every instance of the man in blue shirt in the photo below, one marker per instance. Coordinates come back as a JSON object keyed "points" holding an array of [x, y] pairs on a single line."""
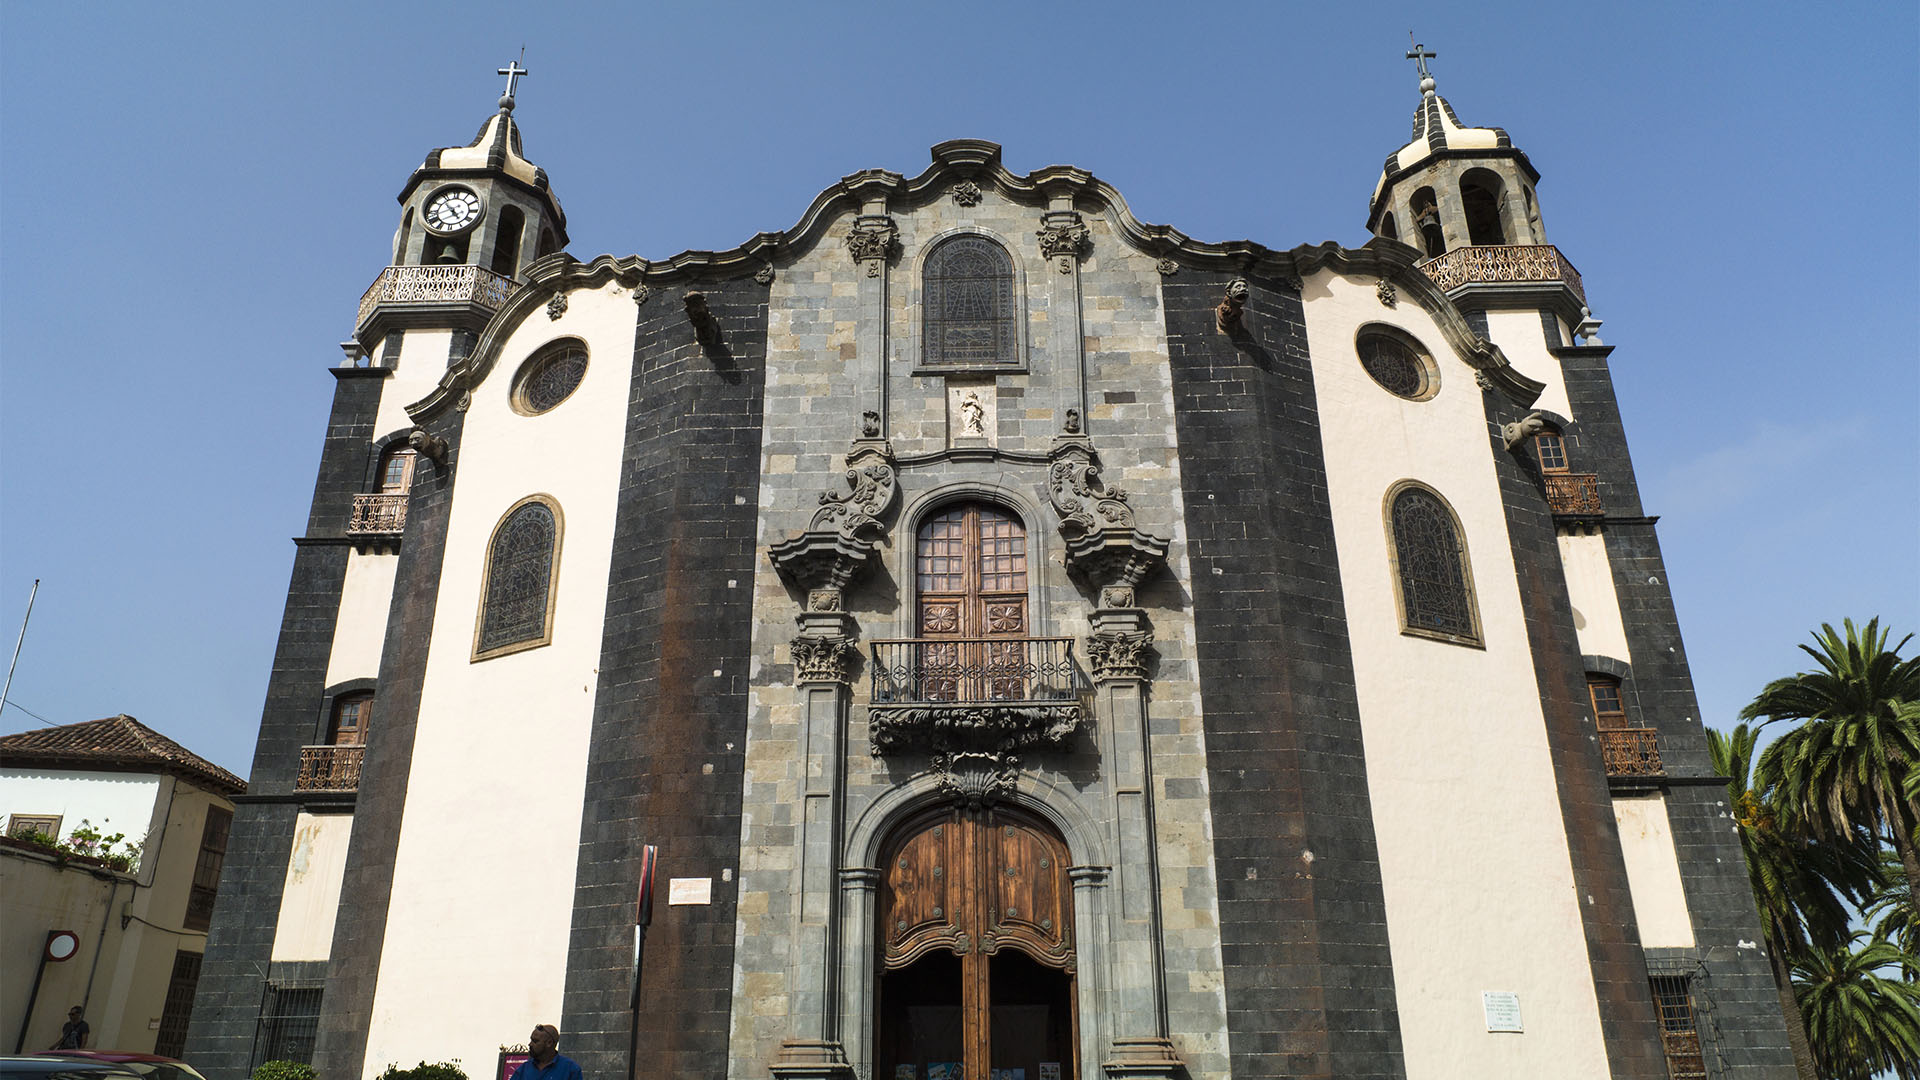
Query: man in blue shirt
{"points": [[546, 1063]]}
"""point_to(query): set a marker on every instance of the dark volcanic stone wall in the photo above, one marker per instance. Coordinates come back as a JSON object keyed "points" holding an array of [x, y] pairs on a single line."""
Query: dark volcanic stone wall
{"points": [[669, 735], [227, 1002], [1309, 981]]}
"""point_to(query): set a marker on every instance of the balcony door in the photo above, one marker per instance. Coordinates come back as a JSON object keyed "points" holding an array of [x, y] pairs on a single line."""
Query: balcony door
{"points": [[970, 569], [977, 967]]}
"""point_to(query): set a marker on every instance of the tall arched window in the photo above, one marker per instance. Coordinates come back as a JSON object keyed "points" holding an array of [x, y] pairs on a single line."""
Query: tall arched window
{"points": [[1431, 573], [1389, 228], [516, 596], [1480, 197], [406, 234], [1426, 218], [506, 243], [968, 304]]}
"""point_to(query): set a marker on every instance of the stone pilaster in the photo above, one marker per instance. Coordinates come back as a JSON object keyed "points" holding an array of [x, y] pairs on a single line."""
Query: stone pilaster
{"points": [[1063, 239], [1119, 651], [871, 242]]}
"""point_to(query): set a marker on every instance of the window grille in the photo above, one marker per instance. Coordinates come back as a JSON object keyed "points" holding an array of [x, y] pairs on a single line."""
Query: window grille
{"points": [[967, 301], [1436, 594], [549, 378], [288, 1025], [519, 579], [1679, 1031], [1393, 365], [177, 1008]]}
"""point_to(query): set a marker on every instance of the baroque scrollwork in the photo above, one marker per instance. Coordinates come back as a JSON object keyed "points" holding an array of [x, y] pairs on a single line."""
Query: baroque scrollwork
{"points": [[847, 528], [973, 748], [1104, 545], [966, 193], [557, 306], [1389, 296]]}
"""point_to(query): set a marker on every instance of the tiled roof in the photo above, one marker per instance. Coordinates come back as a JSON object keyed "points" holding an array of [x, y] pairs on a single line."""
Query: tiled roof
{"points": [[115, 744]]}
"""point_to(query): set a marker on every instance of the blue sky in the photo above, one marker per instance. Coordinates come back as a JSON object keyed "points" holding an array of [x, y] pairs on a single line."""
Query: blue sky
{"points": [[195, 197]]}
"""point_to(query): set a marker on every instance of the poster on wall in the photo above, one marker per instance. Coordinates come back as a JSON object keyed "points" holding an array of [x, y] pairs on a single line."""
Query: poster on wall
{"points": [[1009, 1074], [1049, 1070], [944, 1070], [906, 1072], [509, 1061]]}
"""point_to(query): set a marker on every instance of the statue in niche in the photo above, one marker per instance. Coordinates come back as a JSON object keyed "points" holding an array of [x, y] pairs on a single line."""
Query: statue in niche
{"points": [[973, 417]]}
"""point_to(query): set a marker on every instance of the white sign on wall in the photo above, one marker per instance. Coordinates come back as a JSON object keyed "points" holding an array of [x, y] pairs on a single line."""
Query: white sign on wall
{"points": [[689, 890], [1503, 1010]]}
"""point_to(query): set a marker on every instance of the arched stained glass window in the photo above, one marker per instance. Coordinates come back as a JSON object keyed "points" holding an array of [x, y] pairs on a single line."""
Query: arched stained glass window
{"points": [[1431, 571], [516, 608], [968, 304]]}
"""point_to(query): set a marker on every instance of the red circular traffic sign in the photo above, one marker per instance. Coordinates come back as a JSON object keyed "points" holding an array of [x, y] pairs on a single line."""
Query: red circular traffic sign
{"points": [[62, 944]]}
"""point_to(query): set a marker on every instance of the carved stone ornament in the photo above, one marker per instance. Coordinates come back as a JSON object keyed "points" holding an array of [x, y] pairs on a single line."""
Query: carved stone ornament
{"points": [[1103, 545], [1119, 656], [974, 747], [870, 424], [871, 241], [823, 599], [431, 447], [557, 306], [642, 293], [966, 193], [1072, 424], [1523, 429], [823, 659], [1483, 380], [1167, 267], [1232, 308], [764, 275], [847, 529], [465, 402], [1117, 596], [706, 328], [1063, 236], [1387, 293]]}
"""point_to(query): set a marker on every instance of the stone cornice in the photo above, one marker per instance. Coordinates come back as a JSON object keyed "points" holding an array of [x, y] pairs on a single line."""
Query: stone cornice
{"points": [[978, 161]]}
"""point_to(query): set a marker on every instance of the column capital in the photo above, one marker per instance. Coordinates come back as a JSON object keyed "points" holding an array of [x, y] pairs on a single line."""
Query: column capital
{"points": [[823, 659]]}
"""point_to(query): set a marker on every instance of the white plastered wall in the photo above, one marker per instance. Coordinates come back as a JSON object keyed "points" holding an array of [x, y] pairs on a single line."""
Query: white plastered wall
{"points": [[360, 631], [315, 867], [482, 902], [1653, 872], [111, 802], [1596, 607], [1473, 857], [1520, 335]]}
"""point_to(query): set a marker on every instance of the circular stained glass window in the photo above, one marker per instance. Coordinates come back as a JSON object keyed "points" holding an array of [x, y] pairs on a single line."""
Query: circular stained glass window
{"points": [[549, 377], [1397, 365]]}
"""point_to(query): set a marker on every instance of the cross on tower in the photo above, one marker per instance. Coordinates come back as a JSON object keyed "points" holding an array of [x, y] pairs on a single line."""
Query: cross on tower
{"points": [[512, 71], [1420, 56]]}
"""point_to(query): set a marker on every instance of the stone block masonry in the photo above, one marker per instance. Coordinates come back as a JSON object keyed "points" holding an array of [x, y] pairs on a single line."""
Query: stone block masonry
{"points": [[1309, 978], [665, 765]]}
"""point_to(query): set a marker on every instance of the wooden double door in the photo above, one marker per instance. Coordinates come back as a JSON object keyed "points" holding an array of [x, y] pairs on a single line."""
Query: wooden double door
{"points": [[977, 967]]}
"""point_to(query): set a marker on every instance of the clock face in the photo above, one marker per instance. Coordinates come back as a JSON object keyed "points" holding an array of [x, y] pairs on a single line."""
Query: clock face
{"points": [[452, 209]]}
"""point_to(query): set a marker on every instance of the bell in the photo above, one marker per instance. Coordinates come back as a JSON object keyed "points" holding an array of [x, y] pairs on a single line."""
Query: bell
{"points": [[448, 255]]}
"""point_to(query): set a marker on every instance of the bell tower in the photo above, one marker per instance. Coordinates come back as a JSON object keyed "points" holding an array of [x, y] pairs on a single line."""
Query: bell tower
{"points": [[483, 204], [1464, 197]]}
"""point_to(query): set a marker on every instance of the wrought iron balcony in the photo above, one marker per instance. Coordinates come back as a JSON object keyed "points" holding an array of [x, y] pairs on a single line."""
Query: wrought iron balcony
{"points": [[973, 670], [1631, 752], [444, 287], [378, 515], [1574, 493], [330, 768], [1504, 264]]}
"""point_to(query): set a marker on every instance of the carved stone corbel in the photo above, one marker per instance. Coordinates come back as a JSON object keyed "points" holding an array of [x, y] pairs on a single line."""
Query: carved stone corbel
{"points": [[1523, 429], [1104, 547], [1063, 236], [431, 447], [706, 328], [1232, 308], [871, 241], [847, 529]]}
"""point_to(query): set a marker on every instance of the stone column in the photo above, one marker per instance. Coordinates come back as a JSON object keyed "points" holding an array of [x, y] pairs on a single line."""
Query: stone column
{"points": [[871, 242], [823, 656], [859, 888], [1118, 651], [1063, 239]]}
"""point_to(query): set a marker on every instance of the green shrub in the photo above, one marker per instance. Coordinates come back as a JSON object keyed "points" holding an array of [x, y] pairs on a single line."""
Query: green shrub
{"points": [[444, 1070], [283, 1070]]}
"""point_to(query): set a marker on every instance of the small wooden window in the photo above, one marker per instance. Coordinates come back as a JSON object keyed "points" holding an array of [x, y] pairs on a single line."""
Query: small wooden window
{"points": [[351, 713], [516, 597], [1430, 566], [968, 305], [1679, 1030], [206, 868], [971, 569], [1551, 449], [1609, 709], [47, 825], [396, 470], [176, 1009]]}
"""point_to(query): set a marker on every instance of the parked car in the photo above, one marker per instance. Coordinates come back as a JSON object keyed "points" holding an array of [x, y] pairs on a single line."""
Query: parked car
{"points": [[63, 1068], [146, 1066]]}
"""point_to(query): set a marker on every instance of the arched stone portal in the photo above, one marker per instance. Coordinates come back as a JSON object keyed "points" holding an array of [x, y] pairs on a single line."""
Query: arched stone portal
{"points": [[977, 956]]}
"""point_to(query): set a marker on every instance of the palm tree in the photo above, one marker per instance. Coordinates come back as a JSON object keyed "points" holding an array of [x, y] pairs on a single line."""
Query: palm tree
{"points": [[1890, 909], [1859, 1021], [1848, 764], [1802, 888]]}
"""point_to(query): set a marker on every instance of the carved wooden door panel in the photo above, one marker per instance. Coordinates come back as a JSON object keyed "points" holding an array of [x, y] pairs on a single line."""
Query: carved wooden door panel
{"points": [[984, 887], [970, 565]]}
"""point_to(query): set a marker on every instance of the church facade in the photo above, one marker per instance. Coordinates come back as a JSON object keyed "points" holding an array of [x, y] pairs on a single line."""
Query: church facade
{"points": [[1028, 638]]}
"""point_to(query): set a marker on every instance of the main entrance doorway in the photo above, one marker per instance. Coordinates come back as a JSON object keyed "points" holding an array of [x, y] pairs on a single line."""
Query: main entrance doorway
{"points": [[977, 970]]}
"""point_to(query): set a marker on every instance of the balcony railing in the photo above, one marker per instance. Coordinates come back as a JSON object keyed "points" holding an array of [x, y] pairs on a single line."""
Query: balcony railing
{"points": [[330, 768], [1574, 493], [436, 285], [1491, 264], [378, 515], [975, 670], [1631, 752]]}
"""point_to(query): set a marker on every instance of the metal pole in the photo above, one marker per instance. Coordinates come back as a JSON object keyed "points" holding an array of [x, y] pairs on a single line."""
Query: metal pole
{"points": [[32, 996], [17, 642]]}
